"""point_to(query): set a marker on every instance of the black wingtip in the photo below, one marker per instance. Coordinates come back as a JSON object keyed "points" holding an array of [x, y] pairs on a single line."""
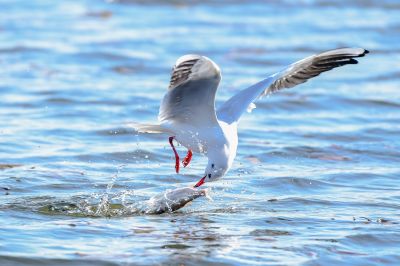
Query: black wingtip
{"points": [[352, 61], [364, 53]]}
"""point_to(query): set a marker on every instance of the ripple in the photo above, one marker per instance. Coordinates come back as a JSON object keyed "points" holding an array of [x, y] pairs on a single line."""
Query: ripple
{"points": [[121, 157], [17, 260], [116, 131], [315, 181], [269, 232], [372, 239], [20, 49], [294, 183], [9, 166], [308, 152]]}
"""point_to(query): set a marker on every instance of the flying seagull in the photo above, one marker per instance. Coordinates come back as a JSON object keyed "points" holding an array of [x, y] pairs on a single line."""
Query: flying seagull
{"points": [[188, 115]]}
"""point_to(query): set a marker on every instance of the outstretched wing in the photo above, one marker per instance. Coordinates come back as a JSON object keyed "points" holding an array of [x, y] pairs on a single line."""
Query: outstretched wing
{"points": [[191, 94], [291, 76]]}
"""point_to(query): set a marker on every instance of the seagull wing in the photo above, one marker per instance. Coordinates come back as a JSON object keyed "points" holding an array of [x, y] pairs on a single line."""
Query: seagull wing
{"points": [[191, 94], [296, 73]]}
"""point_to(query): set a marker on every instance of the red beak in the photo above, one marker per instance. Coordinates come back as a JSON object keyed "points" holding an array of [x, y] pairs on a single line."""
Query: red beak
{"points": [[201, 181]]}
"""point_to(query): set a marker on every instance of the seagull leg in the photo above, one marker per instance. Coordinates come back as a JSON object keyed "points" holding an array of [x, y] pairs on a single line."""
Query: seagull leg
{"points": [[171, 139], [187, 159]]}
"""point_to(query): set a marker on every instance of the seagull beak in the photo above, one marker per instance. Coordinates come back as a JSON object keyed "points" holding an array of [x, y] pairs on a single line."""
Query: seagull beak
{"points": [[201, 181]]}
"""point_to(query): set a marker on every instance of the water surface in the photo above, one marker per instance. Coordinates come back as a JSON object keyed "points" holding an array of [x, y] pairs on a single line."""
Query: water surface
{"points": [[316, 178]]}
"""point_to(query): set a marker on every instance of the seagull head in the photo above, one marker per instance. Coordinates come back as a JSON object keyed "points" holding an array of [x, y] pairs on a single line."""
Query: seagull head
{"points": [[213, 171]]}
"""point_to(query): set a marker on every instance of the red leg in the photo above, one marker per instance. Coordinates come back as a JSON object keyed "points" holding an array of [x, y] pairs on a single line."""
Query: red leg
{"points": [[187, 159], [171, 139]]}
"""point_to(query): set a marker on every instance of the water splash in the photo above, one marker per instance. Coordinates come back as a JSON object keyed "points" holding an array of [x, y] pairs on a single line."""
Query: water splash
{"points": [[104, 205]]}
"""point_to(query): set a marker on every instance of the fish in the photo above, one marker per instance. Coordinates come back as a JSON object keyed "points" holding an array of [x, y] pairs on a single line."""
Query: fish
{"points": [[172, 200]]}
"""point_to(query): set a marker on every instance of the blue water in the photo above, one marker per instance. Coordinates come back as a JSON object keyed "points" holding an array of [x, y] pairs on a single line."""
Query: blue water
{"points": [[316, 178]]}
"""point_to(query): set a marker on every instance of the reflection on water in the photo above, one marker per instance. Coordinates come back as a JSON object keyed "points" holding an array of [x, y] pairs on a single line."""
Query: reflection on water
{"points": [[315, 181]]}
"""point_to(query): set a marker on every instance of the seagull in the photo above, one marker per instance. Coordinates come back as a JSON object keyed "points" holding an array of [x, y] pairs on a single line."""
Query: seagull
{"points": [[188, 115]]}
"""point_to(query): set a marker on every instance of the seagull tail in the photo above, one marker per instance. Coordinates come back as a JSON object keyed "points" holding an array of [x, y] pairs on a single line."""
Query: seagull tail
{"points": [[148, 128]]}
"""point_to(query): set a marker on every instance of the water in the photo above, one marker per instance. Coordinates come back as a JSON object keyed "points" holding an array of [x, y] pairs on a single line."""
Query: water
{"points": [[315, 181]]}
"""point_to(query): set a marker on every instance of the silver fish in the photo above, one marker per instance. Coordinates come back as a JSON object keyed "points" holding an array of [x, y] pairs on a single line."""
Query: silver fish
{"points": [[172, 200]]}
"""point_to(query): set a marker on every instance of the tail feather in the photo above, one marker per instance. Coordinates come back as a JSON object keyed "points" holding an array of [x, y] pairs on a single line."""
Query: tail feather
{"points": [[147, 128]]}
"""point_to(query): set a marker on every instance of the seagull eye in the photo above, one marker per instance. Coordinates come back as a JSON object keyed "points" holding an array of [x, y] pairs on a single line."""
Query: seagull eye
{"points": [[209, 175]]}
